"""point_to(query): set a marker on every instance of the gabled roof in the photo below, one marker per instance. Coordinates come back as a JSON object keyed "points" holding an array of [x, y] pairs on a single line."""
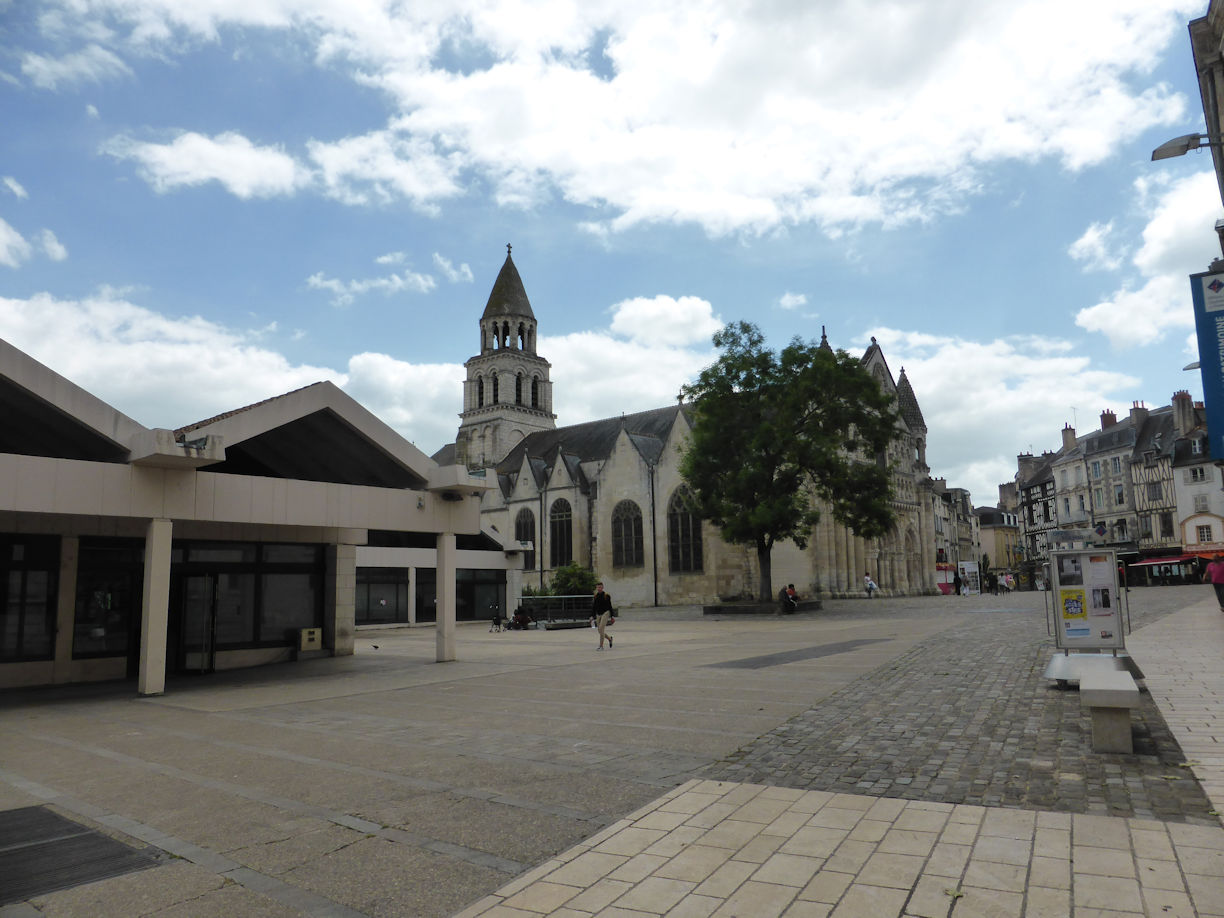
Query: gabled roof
{"points": [[595, 439], [43, 414], [508, 298], [316, 433]]}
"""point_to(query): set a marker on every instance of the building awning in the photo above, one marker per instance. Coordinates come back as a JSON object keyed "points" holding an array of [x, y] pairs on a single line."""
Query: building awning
{"points": [[1175, 559]]}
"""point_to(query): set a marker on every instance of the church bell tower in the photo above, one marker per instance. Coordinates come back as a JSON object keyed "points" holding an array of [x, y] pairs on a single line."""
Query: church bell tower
{"points": [[507, 393]]}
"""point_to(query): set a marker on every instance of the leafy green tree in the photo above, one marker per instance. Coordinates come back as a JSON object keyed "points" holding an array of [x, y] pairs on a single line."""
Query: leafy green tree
{"points": [[774, 431], [573, 580]]}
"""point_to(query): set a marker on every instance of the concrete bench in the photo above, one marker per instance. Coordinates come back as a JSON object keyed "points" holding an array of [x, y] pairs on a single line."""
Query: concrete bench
{"points": [[1110, 696]]}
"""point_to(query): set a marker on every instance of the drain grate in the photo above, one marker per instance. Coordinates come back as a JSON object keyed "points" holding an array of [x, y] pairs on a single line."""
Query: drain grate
{"points": [[41, 852]]}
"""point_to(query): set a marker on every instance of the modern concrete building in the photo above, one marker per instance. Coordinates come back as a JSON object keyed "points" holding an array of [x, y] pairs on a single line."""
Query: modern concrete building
{"points": [[138, 552]]}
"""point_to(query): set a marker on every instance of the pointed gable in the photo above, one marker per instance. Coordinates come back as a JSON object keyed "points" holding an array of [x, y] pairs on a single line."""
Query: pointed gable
{"points": [[43, 414], [316, 433], [907, 402], [508, 297]]}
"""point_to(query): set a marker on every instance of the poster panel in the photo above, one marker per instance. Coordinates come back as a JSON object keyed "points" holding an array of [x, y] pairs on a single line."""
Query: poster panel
{"points": [[1087, 611], [971, 580]]}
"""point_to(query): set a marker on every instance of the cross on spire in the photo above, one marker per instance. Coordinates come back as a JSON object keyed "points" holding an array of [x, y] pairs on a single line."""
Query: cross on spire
{"points": [[507, 250]]}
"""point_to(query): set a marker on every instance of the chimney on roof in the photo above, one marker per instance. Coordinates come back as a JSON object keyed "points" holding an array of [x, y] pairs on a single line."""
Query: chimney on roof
{"points": [[1183, 412], [1068, 435], [1108, 419], [1138, 414]]}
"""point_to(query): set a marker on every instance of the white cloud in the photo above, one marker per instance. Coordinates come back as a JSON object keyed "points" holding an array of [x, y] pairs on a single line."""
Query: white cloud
{"points": [[391, 258], [451, 273], [735, 118], [13, 247], [790, 300], [976, 430], [384, 166], [148, 365], [1096, 248], [420, 401], [93, 64], [246, 170], [1178, 240], [664, 320], [15, 187], [91, 111], [53, 248], [346, 292]]}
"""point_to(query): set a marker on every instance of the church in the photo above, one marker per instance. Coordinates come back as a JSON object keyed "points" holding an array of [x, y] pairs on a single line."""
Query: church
{"points": [[608, 494]]}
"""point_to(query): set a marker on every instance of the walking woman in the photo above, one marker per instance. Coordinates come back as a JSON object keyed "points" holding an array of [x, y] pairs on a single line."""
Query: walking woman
{"points": [[601, 608]]}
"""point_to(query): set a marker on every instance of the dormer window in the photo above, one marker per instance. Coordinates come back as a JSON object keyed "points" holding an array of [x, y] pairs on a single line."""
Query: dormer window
{"points": [[1196, 446]]}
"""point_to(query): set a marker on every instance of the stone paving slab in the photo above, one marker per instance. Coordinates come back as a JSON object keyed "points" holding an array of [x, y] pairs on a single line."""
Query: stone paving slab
{"points": [[718, 848]]}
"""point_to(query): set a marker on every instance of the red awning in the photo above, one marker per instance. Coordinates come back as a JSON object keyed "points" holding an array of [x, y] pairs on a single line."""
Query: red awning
{"points": [[1176, 559]]}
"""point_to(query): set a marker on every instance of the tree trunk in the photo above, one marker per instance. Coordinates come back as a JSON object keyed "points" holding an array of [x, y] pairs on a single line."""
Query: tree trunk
{"points": [[765, 563]]}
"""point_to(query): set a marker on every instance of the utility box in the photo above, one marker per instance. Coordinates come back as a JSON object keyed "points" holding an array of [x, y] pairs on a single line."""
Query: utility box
{"points": [[310, 639]]}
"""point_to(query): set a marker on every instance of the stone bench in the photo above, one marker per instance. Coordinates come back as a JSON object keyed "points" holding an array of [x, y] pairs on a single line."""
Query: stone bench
{"points": [[1110, 696]]}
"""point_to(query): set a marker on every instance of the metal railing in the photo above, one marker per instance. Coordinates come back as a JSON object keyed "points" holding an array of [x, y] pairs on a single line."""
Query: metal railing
{"points": [[557, 608]]}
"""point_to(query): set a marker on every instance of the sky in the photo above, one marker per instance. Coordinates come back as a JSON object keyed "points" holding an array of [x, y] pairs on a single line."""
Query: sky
{"points": [[207, 204]]}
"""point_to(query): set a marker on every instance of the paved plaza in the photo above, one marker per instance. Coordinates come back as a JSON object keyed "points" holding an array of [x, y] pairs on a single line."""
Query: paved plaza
{"points": [[879, 758]]}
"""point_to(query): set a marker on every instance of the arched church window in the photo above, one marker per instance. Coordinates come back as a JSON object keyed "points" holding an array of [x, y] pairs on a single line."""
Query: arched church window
{"points": [[535, 392], [480, 392], [627, 535], [683, 534], [524, 531], [505, 334], [560, 534], [495, 387], [522, 337], [518, 388]]}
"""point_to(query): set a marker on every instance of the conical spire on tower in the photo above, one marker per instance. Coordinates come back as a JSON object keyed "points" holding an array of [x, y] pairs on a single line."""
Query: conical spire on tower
{"points": [[508, 298]]}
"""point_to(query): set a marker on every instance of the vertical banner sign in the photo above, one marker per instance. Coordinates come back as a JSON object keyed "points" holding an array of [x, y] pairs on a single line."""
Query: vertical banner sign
{"points": [[1086, 609], [1207, 292]]}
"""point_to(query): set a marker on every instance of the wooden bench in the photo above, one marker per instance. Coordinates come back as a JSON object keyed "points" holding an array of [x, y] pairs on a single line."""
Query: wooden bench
{"points": [[1110, 695]]}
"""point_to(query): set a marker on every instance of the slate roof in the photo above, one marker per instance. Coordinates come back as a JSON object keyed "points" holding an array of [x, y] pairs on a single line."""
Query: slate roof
{"points": [[508, 297], [1157, 435], [595, 439]]}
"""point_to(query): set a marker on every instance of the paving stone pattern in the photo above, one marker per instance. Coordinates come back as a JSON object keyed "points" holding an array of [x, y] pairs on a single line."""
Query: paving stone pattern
{"points": [[967, 718]]}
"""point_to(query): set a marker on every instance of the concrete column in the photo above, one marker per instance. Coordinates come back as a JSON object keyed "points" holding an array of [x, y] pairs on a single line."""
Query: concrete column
{"points": [[65, 610], [155, 608], [446, 597], [340, 609], [860, 561]]}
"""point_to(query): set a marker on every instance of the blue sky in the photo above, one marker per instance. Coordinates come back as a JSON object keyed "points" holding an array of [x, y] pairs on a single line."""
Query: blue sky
{"points": [[203, 205]]}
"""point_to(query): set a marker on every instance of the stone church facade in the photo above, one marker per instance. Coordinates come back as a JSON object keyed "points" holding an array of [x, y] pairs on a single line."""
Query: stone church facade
{"points": [[608, 494]]}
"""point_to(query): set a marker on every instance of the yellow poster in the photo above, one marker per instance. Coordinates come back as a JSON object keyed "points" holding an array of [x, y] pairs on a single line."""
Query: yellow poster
{"points": [[1073, 604]]}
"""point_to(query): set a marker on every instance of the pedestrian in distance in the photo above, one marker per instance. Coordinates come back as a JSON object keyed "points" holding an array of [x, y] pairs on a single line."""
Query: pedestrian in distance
{"points": [[1215, 572], [601, 611], [870, 586], [956, 582]]}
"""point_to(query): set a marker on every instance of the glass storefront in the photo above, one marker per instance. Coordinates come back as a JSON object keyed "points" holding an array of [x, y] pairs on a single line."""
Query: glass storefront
{"points": [[29, 566]]}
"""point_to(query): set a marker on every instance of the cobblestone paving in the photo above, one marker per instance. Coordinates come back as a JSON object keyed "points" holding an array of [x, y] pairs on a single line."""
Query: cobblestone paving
{"points": [[967, 718]]}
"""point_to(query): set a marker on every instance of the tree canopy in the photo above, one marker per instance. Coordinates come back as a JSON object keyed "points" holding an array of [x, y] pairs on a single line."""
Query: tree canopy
{"points": [[772, 431]]}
